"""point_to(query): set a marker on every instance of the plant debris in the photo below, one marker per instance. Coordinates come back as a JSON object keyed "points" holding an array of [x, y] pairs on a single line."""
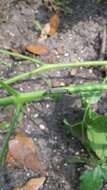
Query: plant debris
{"points": [[26, 154], [37, 49], [32, 184], [54, 23], [50, 28]]}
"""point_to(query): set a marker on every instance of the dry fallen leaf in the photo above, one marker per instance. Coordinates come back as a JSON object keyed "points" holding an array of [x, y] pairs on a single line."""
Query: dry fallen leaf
{"points": [[32, 184], [54, 22], [22, 149], [9, 158], [50, 28], [37, 49], [45, 31]]}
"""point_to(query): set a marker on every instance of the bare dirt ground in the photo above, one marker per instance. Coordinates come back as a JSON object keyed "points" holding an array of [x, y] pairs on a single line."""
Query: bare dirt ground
{"points": [[77, 39]]}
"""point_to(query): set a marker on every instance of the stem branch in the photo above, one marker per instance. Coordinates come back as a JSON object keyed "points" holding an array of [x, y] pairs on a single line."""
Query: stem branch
{"points": [[49, 67], [40, 94]]}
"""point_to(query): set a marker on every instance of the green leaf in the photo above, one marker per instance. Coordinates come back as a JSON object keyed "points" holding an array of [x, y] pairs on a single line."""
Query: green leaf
{"points": [[8, 88], [97, 133], [75, 129], [91, 179], [91, 97], [56, 93], [56, 97], [104, 171], [4, 125]]}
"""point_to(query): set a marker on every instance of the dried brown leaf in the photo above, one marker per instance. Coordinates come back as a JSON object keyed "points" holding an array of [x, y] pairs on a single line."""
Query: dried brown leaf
{"points": [[50, 28], [45, 31], [24, 151], [32, 184], [54, 23], [37, 49]]}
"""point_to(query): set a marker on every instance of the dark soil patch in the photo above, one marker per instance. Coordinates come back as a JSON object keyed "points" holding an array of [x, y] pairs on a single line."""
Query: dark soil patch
{"points": [[78, 39]]}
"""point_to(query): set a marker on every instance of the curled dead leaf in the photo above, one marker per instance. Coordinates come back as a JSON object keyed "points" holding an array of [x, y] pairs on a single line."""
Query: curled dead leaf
{"points": [[45, 31], [37, 49], [23, 150], [54, 23], [32, 184], [50, 28]]}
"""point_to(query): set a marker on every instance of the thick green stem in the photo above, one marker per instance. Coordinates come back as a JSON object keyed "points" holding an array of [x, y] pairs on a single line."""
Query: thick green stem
{"points": [[45, 67], [10, 132], [40, 94], [49, 67]]}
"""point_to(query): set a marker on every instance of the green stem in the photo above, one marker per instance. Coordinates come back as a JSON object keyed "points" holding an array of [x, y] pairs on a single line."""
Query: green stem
{"points": [[40, 94], [84, 122], [5, 63], [8, 88], [49, 67], [10, 132], [34, 60]]}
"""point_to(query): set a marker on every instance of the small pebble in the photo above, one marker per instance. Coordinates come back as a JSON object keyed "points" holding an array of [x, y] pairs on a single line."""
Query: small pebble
{"points": [[25, 116], [81, 81], [21, 89], [78, 169], [41, 126], [35, 139], [56, 52], [90, 71], [28, 131], [77, 153], [58, 56], [65, 164], [62, 147], [73, 72], [55, 138], [47, 105], [11, 34], [58, 167], [81, 68], [82, 150], [82, 51], [36, 115], [58, 73], [28, 174], [28, 109], [28, 87], [62, 84], [66, 54]]}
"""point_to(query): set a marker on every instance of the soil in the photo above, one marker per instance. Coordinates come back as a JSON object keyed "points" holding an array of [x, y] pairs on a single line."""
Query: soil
{"points": [[77, 39]]}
